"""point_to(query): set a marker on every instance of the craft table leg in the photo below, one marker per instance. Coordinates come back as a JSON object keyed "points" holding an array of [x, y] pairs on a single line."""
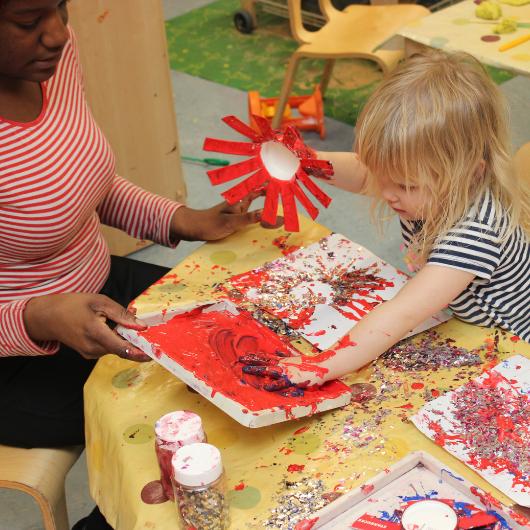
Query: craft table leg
{"points": [[326, 76], [286, 90]]}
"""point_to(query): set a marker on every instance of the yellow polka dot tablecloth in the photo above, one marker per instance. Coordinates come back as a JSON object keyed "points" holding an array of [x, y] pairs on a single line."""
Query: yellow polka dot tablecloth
{"points": [[276, 475], [456, 28]]}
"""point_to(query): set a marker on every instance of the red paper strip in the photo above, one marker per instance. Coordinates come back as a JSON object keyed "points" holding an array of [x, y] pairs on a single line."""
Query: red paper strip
{"points": [[290, 214], [369, 522], [325, 165], [241, 190], [270, 208], [227, 173], [243, 128], [230, 147], [304, 200], [290, 137], [477, 520], [265, 128], [322, 197]]}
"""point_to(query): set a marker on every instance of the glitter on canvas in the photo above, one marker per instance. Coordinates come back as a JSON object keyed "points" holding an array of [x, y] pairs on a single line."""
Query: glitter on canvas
{"points": [[486, 424], [322, 290]]}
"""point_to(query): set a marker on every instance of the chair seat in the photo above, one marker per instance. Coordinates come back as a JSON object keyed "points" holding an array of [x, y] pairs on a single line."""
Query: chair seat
{"points": [[41, 474], [360, 30]]}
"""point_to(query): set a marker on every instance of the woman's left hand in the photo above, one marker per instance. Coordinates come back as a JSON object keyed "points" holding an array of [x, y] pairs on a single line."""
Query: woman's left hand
{"points": [[213, 223]]}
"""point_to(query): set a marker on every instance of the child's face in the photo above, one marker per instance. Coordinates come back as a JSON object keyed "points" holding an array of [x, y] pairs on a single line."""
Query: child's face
{"points": [[408, 202]]}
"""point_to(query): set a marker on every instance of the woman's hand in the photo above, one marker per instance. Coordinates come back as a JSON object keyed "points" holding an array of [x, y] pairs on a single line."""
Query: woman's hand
{"points": [[78, 320], [284, 372], [213, 223]]}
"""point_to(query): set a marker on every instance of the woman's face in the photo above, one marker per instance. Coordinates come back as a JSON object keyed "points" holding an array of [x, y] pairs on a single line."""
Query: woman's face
{"points": [[32, 37]]}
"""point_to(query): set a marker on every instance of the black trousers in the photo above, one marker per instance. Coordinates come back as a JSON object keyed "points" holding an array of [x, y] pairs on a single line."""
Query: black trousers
{"points": [[41, 398]]}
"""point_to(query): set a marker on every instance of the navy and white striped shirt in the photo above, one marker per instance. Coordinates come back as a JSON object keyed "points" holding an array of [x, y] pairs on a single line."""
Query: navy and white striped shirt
{"points": [[499, 295]]}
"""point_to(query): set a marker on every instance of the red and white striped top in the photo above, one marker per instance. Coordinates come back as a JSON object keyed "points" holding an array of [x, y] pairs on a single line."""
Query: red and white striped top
{"points": [[57, 183]]}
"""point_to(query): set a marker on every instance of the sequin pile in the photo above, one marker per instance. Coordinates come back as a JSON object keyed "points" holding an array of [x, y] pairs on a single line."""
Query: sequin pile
{"points": [[430, 353], [296, 501]]}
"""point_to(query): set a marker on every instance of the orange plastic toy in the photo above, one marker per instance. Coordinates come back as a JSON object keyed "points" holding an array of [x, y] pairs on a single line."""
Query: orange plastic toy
{"points": [[304, 112]]}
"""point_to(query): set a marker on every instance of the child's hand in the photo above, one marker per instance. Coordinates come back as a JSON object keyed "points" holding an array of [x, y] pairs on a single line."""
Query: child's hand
{"points": [[213, 223], [282, 373]]}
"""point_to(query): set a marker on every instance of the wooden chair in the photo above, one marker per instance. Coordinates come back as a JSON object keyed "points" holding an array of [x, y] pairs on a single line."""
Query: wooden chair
{"points": [[41, 474], [356, 32]]}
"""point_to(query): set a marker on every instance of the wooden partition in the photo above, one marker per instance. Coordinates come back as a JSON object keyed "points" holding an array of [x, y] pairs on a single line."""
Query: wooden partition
{"points": [[124, 55]]}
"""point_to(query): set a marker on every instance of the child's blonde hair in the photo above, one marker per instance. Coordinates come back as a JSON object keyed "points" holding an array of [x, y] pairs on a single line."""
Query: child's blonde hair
{"points": [[430, 124]]}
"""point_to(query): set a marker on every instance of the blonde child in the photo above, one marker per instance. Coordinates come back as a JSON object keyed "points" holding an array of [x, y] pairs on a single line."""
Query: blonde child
{"points": [[432, 146]]}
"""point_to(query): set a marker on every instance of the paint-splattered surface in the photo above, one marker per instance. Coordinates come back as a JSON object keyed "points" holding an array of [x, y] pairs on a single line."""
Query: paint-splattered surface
{"points": [[313, 460], [321, 291], [207, 343], [486, 423]]}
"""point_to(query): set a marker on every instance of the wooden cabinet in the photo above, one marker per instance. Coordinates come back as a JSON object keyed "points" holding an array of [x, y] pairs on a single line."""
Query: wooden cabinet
{"points": [[124, 56]]}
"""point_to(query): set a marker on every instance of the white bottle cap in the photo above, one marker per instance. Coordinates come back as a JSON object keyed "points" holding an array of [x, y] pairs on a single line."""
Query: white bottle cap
{"points": [[429, 515], [182, 427], [197, 464]]}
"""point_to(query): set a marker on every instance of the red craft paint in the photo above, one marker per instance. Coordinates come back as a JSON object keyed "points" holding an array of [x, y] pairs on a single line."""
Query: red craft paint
{"points": [[301, 430], [281, 243], [367, 488], [295, 467], [210, 344]]}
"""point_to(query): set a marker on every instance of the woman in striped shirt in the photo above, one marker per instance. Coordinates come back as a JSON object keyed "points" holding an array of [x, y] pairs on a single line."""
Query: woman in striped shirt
{"points": [[58, 283], [432, 146]]}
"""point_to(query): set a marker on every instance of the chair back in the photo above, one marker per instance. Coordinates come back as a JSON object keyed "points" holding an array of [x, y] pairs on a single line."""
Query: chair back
{"points": [[298, 31]]}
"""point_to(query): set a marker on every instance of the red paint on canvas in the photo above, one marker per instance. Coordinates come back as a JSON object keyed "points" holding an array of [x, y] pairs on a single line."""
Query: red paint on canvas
{"points": [[353, 292], [209, 345]]}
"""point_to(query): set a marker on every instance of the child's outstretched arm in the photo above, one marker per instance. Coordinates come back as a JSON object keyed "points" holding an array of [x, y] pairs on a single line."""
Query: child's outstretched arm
{"points": [[349, 172], [431, 290]]}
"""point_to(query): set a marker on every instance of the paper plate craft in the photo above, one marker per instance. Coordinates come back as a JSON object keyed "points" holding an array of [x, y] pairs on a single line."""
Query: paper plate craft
{"points": [[425, 485], [486, 424], [278, 160], [322, 290], [202, 345]]}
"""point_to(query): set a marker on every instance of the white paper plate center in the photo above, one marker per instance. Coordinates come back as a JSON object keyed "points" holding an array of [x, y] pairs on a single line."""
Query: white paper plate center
{"points": [[281, 163]]}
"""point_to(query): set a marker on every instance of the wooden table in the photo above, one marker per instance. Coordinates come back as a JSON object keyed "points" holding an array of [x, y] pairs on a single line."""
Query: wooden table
{"points": [[328, 454], [452, 29]]}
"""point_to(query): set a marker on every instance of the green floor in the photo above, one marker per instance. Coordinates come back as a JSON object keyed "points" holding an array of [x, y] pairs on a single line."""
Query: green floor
{"points": [[204, 43]]}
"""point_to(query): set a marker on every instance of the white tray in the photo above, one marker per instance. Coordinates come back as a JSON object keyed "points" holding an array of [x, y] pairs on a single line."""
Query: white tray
{"points": [[417, 475]]}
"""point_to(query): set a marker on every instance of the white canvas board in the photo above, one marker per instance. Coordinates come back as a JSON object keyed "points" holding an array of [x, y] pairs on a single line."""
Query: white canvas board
{"points": [[307, 280], [438, 416], [236, 410]]}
